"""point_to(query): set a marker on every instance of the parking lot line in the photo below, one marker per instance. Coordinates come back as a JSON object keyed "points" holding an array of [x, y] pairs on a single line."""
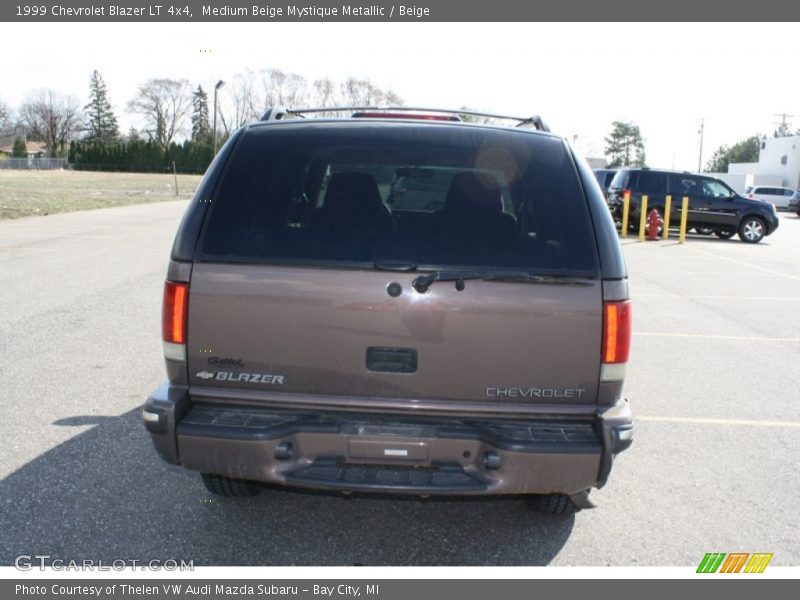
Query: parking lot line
{"points": [[717, 297], [746, 264], [707, 421], [749, 338]]}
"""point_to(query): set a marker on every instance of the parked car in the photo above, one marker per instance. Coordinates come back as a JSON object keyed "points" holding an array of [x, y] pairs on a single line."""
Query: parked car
{"points": [[713, 205], [777, 196], [794, 203], [604, 178], [468, 338]]}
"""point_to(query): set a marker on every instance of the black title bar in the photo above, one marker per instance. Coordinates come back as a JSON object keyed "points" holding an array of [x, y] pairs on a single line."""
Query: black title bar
{"points": [[383, 10]]}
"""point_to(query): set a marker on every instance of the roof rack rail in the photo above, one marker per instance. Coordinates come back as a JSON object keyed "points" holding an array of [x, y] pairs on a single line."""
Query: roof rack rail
{"points": [[280, 112]]}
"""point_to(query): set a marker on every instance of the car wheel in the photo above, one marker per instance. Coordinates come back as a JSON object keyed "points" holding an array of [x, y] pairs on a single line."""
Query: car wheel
{"points": [[553, 504], [230, 488], [798, 213], [722, 234], [704, 230], [752, 230]]}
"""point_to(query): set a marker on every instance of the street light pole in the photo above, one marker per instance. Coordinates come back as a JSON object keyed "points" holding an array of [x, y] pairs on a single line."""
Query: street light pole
{"points": [[220, 83], [700, 158]]}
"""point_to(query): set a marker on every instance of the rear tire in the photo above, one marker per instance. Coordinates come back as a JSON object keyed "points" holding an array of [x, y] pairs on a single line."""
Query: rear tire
{"points": [[553, 504], [230, 488], [752, 230]]}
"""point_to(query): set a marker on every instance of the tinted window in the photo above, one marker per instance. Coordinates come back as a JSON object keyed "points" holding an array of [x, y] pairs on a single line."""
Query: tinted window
{"points": [[714, 189], [684, 185], [447, 196], [651, 183], [620, 179]]}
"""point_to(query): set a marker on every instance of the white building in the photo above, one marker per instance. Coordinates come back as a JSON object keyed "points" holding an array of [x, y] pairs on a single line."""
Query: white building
{"points": [[778, 164]]}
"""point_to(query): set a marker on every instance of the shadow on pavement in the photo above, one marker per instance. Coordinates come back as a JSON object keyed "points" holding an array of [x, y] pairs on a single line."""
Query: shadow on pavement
{"points": [[105, 494]]}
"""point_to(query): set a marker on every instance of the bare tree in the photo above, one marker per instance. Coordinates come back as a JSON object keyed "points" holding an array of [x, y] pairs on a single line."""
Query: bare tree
{"points": [[393, 99], [244, 104], [324, 91], [272, 82], [5, 117], [295, 90], [362, 92], [165, 104], [283, 89], [250, 94], [51, 117]]}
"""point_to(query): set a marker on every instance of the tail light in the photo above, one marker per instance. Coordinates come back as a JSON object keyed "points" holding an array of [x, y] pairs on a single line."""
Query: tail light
{"points": [[173, 320], [616, 339]]}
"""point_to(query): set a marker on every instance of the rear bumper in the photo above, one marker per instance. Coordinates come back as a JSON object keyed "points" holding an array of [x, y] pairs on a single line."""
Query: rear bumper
{"points": [[359, 452]]}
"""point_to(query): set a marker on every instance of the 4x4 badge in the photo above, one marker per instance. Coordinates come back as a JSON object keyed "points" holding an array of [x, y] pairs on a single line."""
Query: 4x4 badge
{"points": [[204, 375]]}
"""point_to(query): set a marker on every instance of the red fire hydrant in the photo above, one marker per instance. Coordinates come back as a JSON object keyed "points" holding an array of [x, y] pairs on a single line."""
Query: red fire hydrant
{"points": [[654, 221]]}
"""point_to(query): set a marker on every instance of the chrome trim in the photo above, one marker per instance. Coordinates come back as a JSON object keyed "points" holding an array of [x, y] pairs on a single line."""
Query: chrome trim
{"points": [[150, 417], [612, 372], [616, 289], [408, 406], [175, 351], [179, 271]]}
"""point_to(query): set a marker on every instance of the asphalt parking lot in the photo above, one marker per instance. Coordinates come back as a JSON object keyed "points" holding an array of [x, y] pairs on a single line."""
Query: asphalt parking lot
{"points": [[713, 378]]}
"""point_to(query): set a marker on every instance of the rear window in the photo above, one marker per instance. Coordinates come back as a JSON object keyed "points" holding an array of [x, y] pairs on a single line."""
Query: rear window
{"points": [[651, 182], [620, 180], [435, 196]]}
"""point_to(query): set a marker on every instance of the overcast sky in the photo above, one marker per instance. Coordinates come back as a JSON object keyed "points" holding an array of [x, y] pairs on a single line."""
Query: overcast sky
{"points": [[579, 77]]}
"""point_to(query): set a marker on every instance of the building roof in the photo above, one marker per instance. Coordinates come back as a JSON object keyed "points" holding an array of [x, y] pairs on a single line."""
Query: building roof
{"points": [[31, 148]]}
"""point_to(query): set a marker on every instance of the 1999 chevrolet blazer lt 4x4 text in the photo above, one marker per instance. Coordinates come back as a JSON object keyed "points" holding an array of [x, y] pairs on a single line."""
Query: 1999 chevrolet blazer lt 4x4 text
{"points": [[396, 300]]}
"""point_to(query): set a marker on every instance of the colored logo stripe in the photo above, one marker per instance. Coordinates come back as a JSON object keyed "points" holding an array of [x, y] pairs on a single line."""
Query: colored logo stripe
{"points": [[758, 562], [735, 561], [711, 562]]}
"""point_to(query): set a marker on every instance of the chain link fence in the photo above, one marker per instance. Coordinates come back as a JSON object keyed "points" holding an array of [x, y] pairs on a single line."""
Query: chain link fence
{"points": [[43, 164]]}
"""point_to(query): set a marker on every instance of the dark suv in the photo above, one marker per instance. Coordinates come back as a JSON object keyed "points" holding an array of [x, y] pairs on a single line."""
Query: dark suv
{"points": [[396, 301], [713, 206], [604, 178]]}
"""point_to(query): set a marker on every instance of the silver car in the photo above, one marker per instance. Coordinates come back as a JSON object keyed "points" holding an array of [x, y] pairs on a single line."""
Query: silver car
{"points": [[776, 195]]}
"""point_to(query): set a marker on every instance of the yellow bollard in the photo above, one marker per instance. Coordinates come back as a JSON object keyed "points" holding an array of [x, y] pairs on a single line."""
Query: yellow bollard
{"points": [[684, 216], [626, 207], [667, 209], [642, 218]]}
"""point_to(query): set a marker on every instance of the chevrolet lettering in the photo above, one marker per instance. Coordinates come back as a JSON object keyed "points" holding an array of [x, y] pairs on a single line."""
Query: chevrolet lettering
{"points": [[531, 392]]}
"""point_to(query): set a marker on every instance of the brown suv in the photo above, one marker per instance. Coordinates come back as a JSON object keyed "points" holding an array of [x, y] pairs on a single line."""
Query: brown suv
{"points": [[396, 301]]}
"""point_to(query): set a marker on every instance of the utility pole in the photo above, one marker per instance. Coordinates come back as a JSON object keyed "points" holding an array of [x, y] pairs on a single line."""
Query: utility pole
{"points": [[700, 158], [783, 126]]}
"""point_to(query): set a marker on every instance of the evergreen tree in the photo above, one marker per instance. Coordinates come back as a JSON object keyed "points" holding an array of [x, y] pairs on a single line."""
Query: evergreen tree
{"points": [[742, 152], [625, 146], [201, 128], [20, 149], [100, 118]]}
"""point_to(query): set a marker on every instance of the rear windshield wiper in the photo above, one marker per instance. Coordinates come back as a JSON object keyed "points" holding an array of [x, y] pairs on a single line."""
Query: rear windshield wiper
{"points": [[424, 282]]}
